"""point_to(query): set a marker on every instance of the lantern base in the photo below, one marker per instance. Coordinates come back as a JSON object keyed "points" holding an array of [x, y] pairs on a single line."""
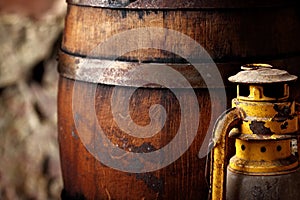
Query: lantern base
{"points": [[254, 187]]}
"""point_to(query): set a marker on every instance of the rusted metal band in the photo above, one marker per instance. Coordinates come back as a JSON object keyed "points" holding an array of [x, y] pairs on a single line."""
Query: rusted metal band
{"points": [[131, 74], [71, 66], [179, 4]]}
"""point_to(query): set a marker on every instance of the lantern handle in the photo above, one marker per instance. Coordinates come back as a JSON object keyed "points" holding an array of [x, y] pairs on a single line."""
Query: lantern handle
{"points": [[230, 119]]}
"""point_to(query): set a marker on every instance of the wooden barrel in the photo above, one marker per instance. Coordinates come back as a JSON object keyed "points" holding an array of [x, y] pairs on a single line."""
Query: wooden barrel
{"points": [[232, 32]]}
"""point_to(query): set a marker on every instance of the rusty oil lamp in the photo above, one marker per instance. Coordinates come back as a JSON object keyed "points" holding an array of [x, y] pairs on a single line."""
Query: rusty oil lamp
{"points": [[264, 122]]}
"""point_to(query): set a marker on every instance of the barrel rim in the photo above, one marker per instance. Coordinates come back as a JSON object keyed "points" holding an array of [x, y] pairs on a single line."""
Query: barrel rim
{"points": [[182, 5]]}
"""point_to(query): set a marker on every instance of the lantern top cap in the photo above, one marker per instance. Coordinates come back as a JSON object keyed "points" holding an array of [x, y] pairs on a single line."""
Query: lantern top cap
{"points": [[261, 74]]}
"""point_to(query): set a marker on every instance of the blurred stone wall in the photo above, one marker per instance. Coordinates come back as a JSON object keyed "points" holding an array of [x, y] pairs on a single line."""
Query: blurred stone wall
{"points": [[30, 33]]}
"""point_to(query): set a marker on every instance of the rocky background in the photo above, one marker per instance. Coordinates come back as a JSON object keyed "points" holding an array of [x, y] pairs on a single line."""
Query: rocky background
{"points": [[30, 32]]}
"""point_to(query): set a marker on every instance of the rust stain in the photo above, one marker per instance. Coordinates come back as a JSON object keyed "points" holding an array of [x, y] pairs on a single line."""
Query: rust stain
{"points": [[152, 182], [264, 190], [284, 125], [283, 113], [144, 148], [258, 127]]}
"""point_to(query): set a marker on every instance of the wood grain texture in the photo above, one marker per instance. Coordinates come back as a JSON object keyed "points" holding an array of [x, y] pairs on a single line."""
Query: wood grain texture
{"points": [[227, 35], [85, 176], [232, 37]]}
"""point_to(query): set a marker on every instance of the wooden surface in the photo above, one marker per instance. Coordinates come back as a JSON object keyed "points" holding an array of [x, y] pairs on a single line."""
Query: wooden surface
{"points": [[227, 35], [85, 176], [232, 37]]}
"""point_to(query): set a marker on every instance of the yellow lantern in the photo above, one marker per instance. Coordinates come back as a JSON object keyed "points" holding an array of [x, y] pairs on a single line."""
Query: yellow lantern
{"points": [[264, 122]]}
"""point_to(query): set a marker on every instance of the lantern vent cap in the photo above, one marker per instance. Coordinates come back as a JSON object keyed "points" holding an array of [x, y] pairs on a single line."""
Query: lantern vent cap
{"points": [[261, 74]]}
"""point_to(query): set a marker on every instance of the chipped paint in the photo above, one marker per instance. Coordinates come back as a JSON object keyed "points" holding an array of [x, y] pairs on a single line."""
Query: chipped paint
{"points": [[283, 112], [284, 125], [258, 127]]}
